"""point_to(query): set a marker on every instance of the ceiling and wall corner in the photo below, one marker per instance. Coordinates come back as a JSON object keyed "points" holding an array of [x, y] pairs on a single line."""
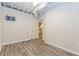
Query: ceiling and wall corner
{"points": [[34, 8], [42, 12], [20, 6]]}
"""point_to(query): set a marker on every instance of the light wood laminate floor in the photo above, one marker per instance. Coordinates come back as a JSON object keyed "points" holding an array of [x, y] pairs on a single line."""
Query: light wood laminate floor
{"points": [[34, 47]]}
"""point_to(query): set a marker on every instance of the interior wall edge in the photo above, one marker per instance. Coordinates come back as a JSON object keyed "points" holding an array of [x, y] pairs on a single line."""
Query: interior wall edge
{"points": [[15, 42], [62, 48], [0, 27]]}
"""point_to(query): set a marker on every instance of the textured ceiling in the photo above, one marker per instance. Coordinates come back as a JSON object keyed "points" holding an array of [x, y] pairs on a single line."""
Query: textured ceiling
{"points": [[28, 7], [22, 6]]}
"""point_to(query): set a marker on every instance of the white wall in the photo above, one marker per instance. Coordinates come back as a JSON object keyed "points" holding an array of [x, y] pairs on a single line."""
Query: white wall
{"points": [[19, 30], [34, 28], [0, 26], [61, 26]]}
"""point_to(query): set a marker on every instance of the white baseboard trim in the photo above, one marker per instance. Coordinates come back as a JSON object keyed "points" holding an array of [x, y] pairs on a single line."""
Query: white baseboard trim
{"points": [[15, 41], [62, 48]]}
